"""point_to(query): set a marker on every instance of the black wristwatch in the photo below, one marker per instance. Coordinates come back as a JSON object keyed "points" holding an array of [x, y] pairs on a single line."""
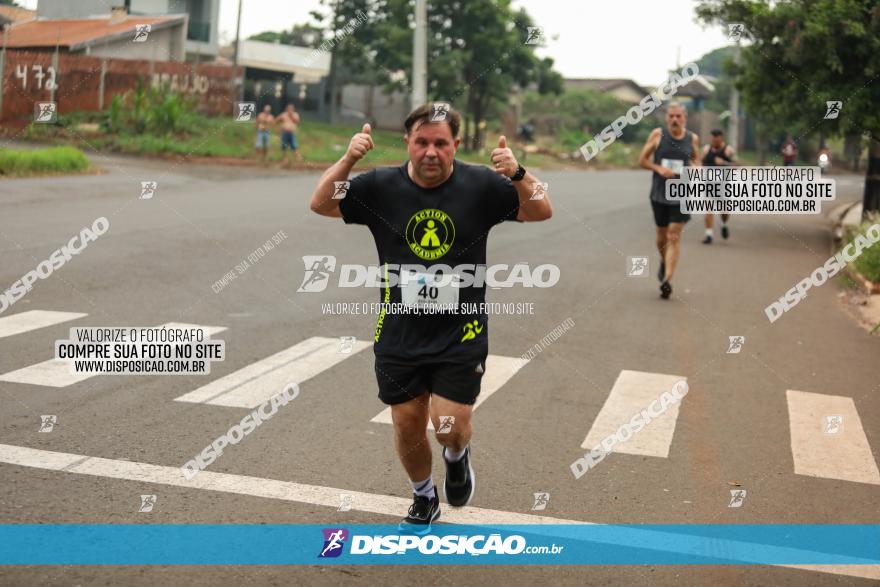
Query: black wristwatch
{"points": [[520, 173]]}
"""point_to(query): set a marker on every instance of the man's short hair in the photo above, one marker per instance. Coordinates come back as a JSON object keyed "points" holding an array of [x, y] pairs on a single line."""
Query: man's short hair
{"points": [[676, 104], [427, 112], [717, 132]]}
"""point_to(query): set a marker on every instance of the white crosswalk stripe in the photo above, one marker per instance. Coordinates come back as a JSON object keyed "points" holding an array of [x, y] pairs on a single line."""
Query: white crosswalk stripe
{"points": [[317, 495], [843, 453], [633, 392], [57, 373], [255, 384], [499, 370], [34, 319], [827, 438]]}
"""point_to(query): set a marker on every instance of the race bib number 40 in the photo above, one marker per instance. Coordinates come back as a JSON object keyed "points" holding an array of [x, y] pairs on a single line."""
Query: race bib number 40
{"points": [[424, 290]]}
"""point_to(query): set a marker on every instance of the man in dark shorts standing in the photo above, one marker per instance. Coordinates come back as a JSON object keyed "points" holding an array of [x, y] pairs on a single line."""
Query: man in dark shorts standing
{"points": [[289, 121], [665, 153], [717, 154], [431, 210]]}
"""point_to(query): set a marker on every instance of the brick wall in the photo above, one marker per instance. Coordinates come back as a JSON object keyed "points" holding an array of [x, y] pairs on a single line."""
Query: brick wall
{"points": [[75, 82]]}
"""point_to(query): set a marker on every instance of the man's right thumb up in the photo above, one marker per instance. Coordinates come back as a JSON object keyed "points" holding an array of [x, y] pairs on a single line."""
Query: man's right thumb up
{"points": [[366, 129]]}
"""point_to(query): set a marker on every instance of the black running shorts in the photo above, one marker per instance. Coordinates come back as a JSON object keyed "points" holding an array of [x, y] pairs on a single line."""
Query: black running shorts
{"points": [[664, 214], [454, 378]]}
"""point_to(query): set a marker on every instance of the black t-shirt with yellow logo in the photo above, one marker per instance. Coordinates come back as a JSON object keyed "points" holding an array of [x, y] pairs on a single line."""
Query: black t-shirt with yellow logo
{"points": [[444, 225]]}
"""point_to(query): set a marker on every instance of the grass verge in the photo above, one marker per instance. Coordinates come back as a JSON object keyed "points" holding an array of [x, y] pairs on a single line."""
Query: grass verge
{"points": [[53, 160], [868, 263], [221, 137]]}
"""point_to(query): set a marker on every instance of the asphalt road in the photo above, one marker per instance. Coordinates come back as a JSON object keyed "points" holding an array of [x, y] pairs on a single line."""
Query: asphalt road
{"points": [[157, 264]]}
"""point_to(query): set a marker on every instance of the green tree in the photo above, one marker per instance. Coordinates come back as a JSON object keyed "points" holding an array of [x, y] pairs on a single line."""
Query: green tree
{"points": [[801, 54], [476, 52], [578, 113], [301, 35], [714, 62], [718, 63]]}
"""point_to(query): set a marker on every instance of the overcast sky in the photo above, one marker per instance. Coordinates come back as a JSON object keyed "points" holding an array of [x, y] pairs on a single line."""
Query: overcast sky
{"points": [[634, 39]]}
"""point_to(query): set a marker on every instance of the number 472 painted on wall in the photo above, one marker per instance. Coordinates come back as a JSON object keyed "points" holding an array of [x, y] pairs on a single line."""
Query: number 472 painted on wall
{"points": [[21, 72]]}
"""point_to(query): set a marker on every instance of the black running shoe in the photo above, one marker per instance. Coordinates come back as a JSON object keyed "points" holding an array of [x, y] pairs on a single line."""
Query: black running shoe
{"points": [[665, 290], [422, 513], [661, 274], [460, 484], [707, 240], [725, 232]]}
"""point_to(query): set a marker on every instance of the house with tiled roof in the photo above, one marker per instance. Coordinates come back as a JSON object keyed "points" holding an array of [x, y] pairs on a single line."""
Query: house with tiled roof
{"points": [[117, 35]]}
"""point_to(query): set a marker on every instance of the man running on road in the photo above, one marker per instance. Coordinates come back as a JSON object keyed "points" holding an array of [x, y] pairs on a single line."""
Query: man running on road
{"points": [[436, 209], [717, 154], [665, 153]]}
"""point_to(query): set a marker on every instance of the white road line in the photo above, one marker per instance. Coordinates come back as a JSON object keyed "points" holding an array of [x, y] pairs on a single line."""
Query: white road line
{"points": [[252, 486], [499, 370], [51, 373], [255, 384], [57, 373], [34, 319], [633, 392], [310, 494], [844, 454]]}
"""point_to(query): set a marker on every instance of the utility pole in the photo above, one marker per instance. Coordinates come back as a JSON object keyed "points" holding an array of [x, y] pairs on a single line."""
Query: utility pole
{"points": [[55, 65], [235, 55], [420, 56], [733, 129], [5, 28]]}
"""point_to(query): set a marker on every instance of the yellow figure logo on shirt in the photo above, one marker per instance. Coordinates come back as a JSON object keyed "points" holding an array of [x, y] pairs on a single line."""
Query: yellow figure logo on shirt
{"points": [[429, 239], [430, 233], [471, 330]]}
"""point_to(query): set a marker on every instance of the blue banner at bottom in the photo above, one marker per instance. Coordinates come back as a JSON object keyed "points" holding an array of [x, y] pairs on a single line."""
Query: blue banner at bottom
{"points": [[353, 544]]}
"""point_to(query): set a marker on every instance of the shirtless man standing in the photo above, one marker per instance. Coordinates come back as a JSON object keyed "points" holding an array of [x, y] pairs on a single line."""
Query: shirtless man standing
{"points": [[264, 119], [289, 120]]}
